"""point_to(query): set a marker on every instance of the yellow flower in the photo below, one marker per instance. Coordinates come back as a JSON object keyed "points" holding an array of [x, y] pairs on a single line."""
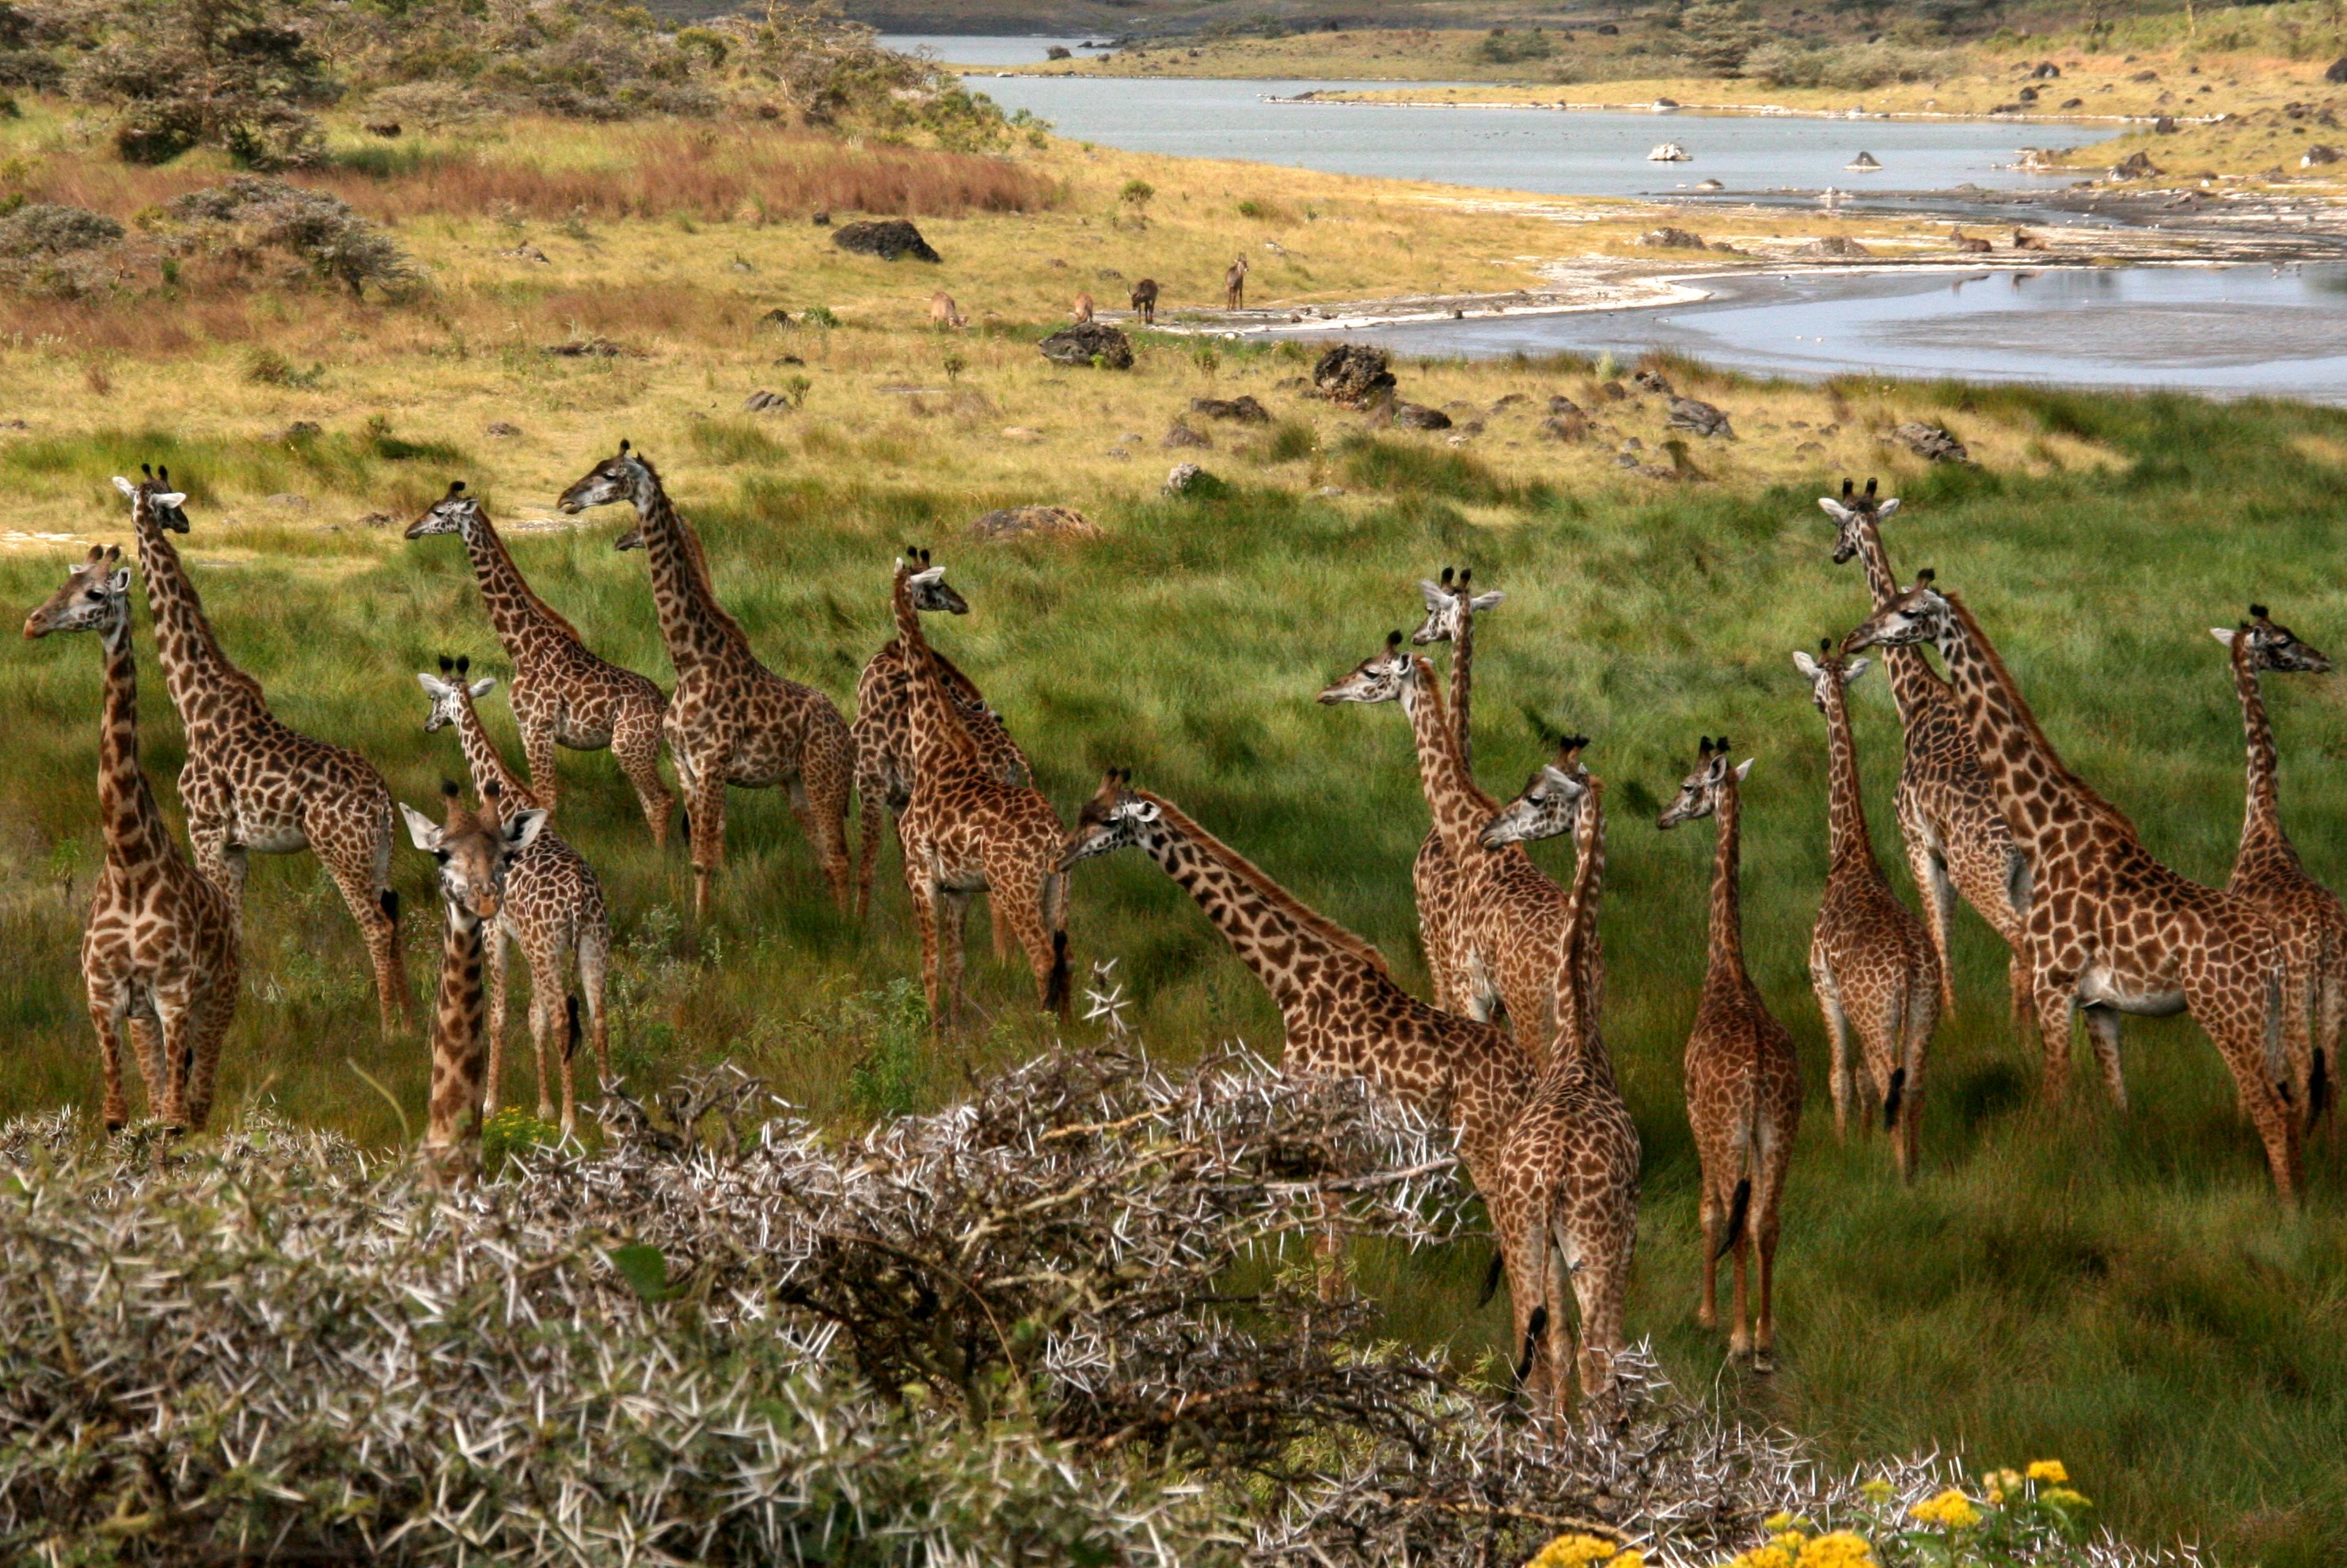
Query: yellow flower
{"points": [[2005, 1480], [1877, 1491], [1764, 1557], [1573, 1551], [1842, 1549], [1778, 1520], [2063, 1497], [1952, 1510], [1791, 1539], [2048, 1470], [1634, 1558]]}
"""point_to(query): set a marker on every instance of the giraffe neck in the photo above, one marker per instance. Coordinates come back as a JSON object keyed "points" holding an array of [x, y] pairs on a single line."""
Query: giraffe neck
{"points": [[458, 1068], [1726, 889], [515, 608], [1293, 950], [1460, 808], [1581, 967], [2027, 776], [940, 739], [692, 623], [2261, 824], [136, 835], [1845, 800], [1462, 682], [1914, 685], [488, 768], [205, 687]]}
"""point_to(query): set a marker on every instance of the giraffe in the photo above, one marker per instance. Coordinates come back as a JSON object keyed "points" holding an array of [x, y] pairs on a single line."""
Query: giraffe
{"points": [[1234, 284], [160, 950], [1571, 1170], [475, 850], [884, 736], [1507, 913], [1743, 1081], [1450, 610], [251, 785], [965, 831], [562, 693], [2267, 871], [2111, 929], [1342, 1013], [732, 721], [1870, 961], [553, 907], [1955, 834], [1145, 300]]}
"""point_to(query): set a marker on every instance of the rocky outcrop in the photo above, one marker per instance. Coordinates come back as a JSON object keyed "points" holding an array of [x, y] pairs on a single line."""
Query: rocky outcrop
{"points": [[1088, 343], [890, 239], [1698, 418], [1033, 522], [1241, 410], [1352, 373], [1932, 443]]}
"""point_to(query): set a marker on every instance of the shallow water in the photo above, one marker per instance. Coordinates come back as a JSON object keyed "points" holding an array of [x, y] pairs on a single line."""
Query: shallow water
{"points": [[2228, 331], [960, 49]]}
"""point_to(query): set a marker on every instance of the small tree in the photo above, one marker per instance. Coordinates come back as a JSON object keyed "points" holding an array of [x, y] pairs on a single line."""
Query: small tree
{"points": [[1719, 34], [1136, 195]]}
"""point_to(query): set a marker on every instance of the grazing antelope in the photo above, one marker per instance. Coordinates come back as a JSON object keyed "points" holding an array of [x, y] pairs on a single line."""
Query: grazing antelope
{"points": [[1235, 285], [1145, 300], [944, 314]]}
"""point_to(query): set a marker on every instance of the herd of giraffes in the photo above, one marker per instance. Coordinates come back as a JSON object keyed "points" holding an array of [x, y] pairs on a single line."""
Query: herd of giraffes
{"points": [[1986, 809]]}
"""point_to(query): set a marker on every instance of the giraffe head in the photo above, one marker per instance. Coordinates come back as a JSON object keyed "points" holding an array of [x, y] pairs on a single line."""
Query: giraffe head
{"points": [[153, 497], [1114, 818], [619, 477], [931, 593], [449, 696], [1448, 605], [1829, 672], [1380, 678], [1700, 791], [1550, 803], [473, 850], [2273, 646], [96, 598], [451, 514], [1852, 515], [1919, 615]]}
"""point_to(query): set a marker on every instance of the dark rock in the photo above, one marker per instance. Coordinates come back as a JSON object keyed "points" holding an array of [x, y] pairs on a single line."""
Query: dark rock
{"points": [[2145, 76], [2047, 71], [2073, 103], [1561, 405], [1088, 343], [500, 430], [1565, 427], [1699, 418], [1418, 416], [386, 129], [1931, 442], [1840, 245], [1242, 409], [890, 239], [1033, 522], [1651, 380], [1510, 401], [821, 220], [587, 348], [1615, 392], [2337, 73], [1181, 434], [1352, 373], [765, 403], [2164, 126], [1669, 239], [298, 430], [2320, 152]]}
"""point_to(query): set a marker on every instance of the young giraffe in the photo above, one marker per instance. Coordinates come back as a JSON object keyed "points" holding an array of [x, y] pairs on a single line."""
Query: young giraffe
{"points": [[1955, 837], [1869, 959], [1342, 1013], [965, 831], [1743, 1081], [1508, 913], [732, 721], [883, 735], [1571, 1171], [2267, 872], [158, 951], [562, 694], [2111, 929], [251, 785], [553, 907], [475, 850], [1450, 610]]}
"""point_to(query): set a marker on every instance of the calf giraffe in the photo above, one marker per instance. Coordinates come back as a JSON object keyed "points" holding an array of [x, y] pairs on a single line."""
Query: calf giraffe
{"points": [[1508, 915], [562, 693], [252, 786], [1571, 1170], [1743, 1081], [1145, 300], [2269, 874], [1955, 834], [2111, 929], [965, 831], [1234, 284], [1342, 1013], [475, 850], [159, 952], [884, 735], [1450, 610], [1870, 961], [553, 907], [732, 721]]}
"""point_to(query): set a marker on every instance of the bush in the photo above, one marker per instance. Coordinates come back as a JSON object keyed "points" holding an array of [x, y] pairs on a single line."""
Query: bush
{"points": [[321, 231], [1850, 66], [52, 229], [1503, 47]]}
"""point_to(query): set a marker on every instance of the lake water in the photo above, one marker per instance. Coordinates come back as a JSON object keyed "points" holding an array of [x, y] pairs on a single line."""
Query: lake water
{"points": [[2227, 330], [956, 49]]}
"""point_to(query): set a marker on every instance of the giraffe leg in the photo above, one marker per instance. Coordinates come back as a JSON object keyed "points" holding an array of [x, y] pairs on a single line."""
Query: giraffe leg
{"points": [[1839, 1076], [171, 1028], [867, 848], [545, 955], [115, 1108], [635, 746], [367, 893], [1016, 908], [923, 893], [826, 779], [1714, 1214], [2056, 997], [953, 920], [2241, 1015], [2103, 1035], [1922, 1019], [707, 804], [214, 1010], [492, 940], [537, 755], [593, 958], [1603, 1285], [1938, 892], [2022, 990], [2331, 1012], [1739, 1327], [1556, 1289]]}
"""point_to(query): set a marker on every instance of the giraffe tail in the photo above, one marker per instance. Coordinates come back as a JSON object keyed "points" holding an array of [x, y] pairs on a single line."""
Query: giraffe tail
{"points": [[1736, 1209], [1492, 1278], [1891, 1100], [1533, 1329], [389, 900], [1055, 990], [570, 1039], [2317, 1088]]}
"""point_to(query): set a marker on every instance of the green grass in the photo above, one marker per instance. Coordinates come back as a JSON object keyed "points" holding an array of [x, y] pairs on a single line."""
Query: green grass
{"points": [[2121, 1293]]}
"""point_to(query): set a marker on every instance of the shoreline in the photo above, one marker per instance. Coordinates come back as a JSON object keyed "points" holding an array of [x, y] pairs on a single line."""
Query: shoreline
{"points": [[1349, 98]]}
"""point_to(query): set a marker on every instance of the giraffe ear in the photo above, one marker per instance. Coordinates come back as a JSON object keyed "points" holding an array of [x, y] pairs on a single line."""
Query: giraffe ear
{"points": [[1483, 602], [1850, 672], [120, 583], [1144, 811], [1886, 508], [1436, 598], [172, 498], [124, 485], [2223, 634], [1559, 780], [1743, 770], [488, 683], [1835, 510], [1804, 664], [434, 687], [523, 828], [422, 830]]}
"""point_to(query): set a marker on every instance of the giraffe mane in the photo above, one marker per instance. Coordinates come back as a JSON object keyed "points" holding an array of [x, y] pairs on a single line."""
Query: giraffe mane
{"points": [[1267, 888], [545, 610], [2028, 716], [695, 562]]}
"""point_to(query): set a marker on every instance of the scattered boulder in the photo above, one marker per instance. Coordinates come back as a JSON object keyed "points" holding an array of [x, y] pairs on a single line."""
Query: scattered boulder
{"points": [[1566, 427], [2047, 71], [2164, 126], [765, 403], [1033, 522], [2137, 165], [1837, 245], [291, 502], [2073, 103], [386, 129], [1615, 392], [500, 430], [1181, 434], [1651, 380], [821, 220], [2145, 76], [587, 348], [2337, 73], [1418, 416], [1352, 373], [1669, 239], [526, 252], [1560, 404], [777, 317], [1189, 479], [890, 239], [300, 429], [1241, 410], [1698, 418], [1088, 343], [374, 520], [2320, 152], [1932, 443]]}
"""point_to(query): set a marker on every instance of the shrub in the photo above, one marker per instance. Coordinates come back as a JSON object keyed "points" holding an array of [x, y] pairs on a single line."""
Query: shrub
{"points": [[320, 230], [51, 229], [1503, 47]]}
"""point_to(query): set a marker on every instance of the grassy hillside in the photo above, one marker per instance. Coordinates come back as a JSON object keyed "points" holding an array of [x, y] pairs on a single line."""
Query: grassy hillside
{"points": [[2120, 1292]]}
